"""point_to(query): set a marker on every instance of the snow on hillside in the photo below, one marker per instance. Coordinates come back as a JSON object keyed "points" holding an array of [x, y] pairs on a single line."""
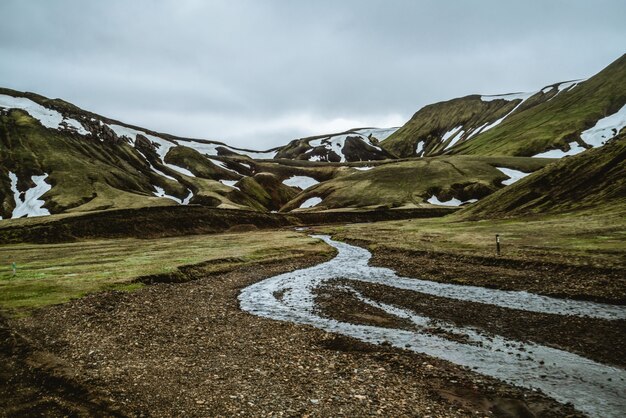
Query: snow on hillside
{"points": [[222, 165], [49, 118], [419, 147], [433, 200], [364, 168], [513, 96], [455, 134], [163, 147], [574, 149], [161, 193], [336, 144], [32, 204], [211, 149], [230, 183], [561, 87], [477, 130], [309, 203], [303, 182], [513, 175], [605, 128], [508, 97], [378, 133], [450, 133]]}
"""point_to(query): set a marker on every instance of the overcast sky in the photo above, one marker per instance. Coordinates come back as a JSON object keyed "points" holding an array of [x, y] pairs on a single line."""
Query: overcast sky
{"points": [[259, 73]]}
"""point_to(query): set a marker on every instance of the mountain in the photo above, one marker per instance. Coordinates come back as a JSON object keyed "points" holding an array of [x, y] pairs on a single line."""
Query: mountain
{"points": [[593, 180], [360, 144], [95, 163], [442, 181], [57, 158], [555, 117]]}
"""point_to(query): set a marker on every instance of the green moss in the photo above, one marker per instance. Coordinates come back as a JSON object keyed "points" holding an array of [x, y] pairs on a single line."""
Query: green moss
{"points": [[544, 121], [592, 179], [556, 122], [55, 273], [410, 183]]}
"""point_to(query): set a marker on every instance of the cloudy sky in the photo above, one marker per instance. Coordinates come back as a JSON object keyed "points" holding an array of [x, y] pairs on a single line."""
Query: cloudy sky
{"points": [[259, 73]]}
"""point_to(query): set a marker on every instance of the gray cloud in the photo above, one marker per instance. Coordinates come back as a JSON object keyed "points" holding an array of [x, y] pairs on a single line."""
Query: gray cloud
{"points": [[257, 74]]}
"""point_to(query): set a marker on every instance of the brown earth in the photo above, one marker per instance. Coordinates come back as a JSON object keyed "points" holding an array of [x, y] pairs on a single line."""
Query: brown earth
{"points": [[168, 221], [547, 278], [186, 349]]}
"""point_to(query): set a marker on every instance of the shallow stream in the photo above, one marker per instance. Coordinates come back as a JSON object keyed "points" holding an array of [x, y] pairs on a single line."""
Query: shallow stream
{"points": [[593, 388]]}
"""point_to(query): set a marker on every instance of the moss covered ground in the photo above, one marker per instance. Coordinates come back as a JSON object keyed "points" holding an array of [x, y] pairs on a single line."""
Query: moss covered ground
{"points": [[55, 273]]}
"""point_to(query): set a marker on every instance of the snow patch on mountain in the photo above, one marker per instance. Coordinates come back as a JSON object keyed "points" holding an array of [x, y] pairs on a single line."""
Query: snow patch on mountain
{"points": [[208, 148], [513, 175], [477, 130], [230, 183], [419, 147], [605, 129], [49, 118], [574, 149], [163, 147], [451, 132], [515, 96], [455, 134], [309, 203], [32, 204], [303, 182], [336, 143], [568, 85], [433, 200], [508, 97], [222, 165], [378, 133], [161, 193]]}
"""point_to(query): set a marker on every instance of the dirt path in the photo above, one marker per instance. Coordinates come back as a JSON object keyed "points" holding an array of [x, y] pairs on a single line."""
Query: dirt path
{"points": [[187, 349]]}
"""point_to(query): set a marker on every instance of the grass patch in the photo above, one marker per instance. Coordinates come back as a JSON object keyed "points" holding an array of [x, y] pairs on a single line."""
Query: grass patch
{"points": [[594, 238], [55, 273]]}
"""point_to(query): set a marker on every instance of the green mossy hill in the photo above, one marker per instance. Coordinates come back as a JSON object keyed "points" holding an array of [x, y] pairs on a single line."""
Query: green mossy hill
{"points": [[82, 171], [429, 124], [594, 179], [355, 148], [410, 183], [200, 165], [91, 174], [554, 123], [547, 120]]}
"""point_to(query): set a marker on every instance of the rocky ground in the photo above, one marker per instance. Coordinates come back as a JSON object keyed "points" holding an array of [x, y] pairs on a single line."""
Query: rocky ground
{"points": [[551, 278], [186, 349]]}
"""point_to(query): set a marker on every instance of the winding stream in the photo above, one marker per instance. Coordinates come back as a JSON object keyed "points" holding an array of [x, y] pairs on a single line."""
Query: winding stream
{"points": [[593, 388]]}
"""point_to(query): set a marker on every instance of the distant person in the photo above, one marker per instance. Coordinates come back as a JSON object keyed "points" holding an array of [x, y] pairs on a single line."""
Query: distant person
{"points": [[14, 267]]}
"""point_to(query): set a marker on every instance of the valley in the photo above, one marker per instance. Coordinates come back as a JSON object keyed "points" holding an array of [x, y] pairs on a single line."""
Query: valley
{"points": [[353, 273]]}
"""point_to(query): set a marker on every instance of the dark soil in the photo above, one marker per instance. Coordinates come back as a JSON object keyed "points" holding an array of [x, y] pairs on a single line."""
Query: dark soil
{"points": [[547, 278], [188, 350], [164, 221]]}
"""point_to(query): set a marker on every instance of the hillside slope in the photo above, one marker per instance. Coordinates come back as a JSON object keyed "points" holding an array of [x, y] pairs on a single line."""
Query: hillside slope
{"points": [[595, 179], [360, 144], [519, 124], [441, 181], [55, 157]]}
